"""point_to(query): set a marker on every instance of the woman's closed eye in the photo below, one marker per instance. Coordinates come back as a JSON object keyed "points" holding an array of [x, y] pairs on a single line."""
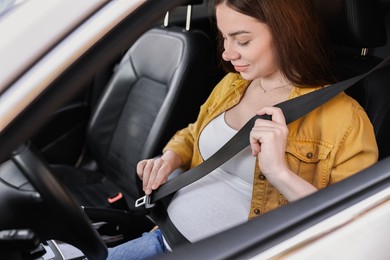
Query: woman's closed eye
{"points": [[242, 43]]}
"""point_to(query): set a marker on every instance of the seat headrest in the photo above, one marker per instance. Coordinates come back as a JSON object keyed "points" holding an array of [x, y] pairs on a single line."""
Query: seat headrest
{"points": [[353, 23]]}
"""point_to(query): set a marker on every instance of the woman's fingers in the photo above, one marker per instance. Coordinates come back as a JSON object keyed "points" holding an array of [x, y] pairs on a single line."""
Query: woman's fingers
{"points": [[147, 174], [161, 177], [254, 142], [264, 130], [275, 113], [265, 134], [153, 173], [268, 139], [140, 168]]}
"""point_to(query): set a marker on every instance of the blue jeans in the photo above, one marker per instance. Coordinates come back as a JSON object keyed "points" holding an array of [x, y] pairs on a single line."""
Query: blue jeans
{"points": [[150, 244]]}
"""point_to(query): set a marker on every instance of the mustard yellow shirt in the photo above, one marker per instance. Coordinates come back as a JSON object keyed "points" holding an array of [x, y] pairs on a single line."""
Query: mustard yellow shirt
{"points": [[327, 145]]}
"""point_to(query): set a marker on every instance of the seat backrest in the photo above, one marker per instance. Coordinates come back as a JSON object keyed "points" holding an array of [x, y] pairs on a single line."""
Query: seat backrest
{"points": [[356, 28], [156, 89]]}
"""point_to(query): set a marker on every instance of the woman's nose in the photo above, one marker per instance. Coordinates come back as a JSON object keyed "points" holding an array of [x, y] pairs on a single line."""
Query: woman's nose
{"points": [[229, 53]]}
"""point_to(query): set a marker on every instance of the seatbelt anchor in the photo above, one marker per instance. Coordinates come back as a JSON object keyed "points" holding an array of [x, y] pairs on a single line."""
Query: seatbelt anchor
{"points": [[145, 200]]}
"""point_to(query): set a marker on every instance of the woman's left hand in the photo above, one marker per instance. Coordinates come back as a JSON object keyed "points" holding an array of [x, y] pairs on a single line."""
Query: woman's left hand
{"points": [[268, 141]]}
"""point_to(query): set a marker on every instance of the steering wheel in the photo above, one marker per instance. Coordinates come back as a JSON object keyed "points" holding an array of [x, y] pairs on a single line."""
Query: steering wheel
{"points": [[74, 225]]}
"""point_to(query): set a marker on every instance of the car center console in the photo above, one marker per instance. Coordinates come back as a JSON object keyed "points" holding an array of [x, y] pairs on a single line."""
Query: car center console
{"points": [[23, 244]]}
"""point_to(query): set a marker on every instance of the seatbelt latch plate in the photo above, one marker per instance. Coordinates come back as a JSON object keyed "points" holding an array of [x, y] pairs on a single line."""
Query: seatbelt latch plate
{"points": [[145, 200]]}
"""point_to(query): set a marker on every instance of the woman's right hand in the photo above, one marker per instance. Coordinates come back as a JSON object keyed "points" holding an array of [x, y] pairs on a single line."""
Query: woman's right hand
{"points": [[155, 172]]}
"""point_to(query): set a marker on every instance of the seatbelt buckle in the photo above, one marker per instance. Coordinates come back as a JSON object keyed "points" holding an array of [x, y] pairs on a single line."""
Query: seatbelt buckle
{"points": [[118, 201], [145, 200]]}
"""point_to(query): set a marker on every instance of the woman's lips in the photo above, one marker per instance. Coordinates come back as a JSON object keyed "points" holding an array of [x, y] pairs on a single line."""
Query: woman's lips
{"points": [[240, 68]]}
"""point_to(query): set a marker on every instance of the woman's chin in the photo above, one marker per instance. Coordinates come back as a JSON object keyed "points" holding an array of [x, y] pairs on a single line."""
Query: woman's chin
{"points": [[246, 76]]}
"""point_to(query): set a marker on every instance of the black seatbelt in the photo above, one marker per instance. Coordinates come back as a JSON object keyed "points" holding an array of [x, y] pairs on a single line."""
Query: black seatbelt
{"points": [[292, 109]]}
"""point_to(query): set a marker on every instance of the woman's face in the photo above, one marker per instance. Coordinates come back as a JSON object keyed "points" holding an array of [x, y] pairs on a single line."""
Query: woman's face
{"points": [[247, 43]]}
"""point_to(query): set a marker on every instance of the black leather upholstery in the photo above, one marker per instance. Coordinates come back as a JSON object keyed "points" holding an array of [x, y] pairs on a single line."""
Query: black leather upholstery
{"points": [[354, 25], [156, 89]]}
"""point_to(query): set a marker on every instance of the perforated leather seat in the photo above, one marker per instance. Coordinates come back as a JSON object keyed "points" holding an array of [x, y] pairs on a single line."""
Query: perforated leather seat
{"points": [[356, 28]]}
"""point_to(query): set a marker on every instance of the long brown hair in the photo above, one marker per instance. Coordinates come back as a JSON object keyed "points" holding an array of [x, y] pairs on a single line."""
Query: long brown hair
{"points": [[300, 45]]}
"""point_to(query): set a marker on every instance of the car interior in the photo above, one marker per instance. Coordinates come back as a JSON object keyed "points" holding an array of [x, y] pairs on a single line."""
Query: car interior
{"points": [[359, 39], [134, 103], [154, 91]]}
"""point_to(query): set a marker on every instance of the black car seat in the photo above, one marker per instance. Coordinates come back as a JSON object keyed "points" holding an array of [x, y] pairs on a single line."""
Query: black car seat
{"points": [[157, 88], [356, 29]]}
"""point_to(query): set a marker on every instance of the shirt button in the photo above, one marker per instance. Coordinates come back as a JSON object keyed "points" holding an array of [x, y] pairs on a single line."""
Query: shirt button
{"points": [[262, 177], [309, 155], [257, 211]]}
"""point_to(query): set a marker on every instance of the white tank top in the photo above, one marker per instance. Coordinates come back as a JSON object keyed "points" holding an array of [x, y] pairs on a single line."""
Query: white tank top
{"points": [[221, 199]]}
